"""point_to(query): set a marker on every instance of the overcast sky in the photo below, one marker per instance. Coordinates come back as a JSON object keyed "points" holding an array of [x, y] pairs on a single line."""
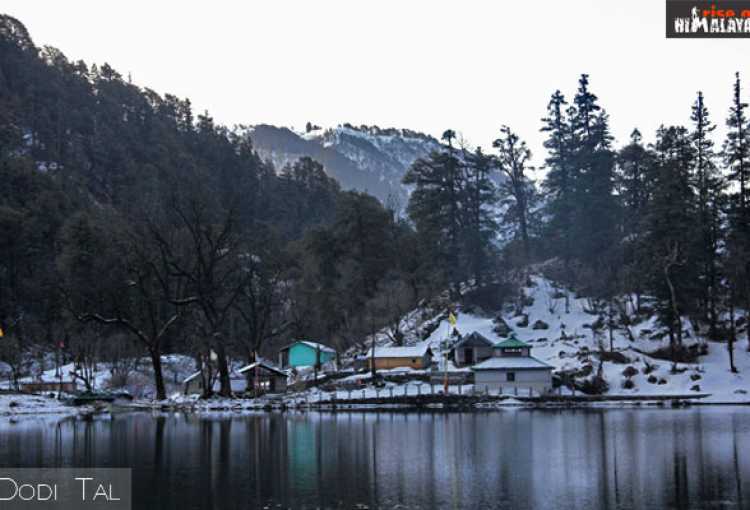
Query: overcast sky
{"points": [[469, 65]]}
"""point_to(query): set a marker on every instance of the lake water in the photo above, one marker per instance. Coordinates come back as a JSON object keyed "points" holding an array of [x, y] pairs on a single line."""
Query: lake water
{"points": [[592, 459]]}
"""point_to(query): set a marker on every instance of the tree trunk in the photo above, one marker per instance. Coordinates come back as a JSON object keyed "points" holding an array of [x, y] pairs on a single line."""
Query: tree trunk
{"points": [[673, 304], [316, 366], [732, 335], [373, 370], [161, 393], [638, 302], [610, 325], [523, 224], [225, 383]]}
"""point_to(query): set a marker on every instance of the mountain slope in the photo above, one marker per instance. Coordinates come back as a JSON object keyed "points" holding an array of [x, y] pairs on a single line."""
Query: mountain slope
{"points": [[567, 341], [365, 158]]}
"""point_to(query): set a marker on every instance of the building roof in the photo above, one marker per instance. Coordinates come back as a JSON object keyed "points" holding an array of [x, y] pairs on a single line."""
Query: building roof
{"points": [[233, 374], [191, 377], [474, 339], [512, 363], [263, 365], [314, 345], [512, 343], [412, 351]]}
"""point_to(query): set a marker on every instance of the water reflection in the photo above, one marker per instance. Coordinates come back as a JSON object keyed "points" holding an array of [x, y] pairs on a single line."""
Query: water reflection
{"points": [[611, 459]]}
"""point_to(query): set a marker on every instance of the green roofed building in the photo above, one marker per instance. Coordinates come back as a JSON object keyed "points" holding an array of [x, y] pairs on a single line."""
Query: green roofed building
{"points": [[512, 347], [513, 370]]}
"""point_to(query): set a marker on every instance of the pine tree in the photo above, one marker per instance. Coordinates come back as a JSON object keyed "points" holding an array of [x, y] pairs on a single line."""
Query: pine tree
{"points": [[634, 162], [558, 184], [435, 209], [670, 230], [596, 207], [737, 148], [512, 160], [479, 195], [708, 189], [634, 184], [736, 153], [451, 209]]}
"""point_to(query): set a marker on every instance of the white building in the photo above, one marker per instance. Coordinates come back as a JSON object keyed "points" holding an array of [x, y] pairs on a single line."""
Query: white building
{"points": [[513, 370]]}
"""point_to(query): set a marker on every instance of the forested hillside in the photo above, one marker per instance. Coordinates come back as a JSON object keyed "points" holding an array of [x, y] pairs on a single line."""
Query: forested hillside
{"points": [[133, 226]]}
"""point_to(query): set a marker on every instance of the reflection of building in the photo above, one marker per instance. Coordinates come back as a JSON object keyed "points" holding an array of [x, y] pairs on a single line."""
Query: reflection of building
{"points": [[263, 378], [417, 357], [512, 368], [304, 353], [471, 349]]}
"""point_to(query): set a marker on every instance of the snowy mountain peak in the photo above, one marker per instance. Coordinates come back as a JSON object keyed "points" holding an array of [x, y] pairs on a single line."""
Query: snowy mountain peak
{"points": [[365, 158]]}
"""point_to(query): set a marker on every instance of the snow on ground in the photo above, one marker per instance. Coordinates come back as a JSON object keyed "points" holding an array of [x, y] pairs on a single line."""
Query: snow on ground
{"points": [[710, 375], [139, 380], [18, 404], [567, 343]]}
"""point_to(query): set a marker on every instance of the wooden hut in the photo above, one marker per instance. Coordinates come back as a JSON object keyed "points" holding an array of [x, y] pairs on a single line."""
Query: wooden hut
{"points": [[262, 378], [418, 357], [471, 349]]}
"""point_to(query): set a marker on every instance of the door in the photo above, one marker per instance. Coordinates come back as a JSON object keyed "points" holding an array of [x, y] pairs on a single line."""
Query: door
{"points": [[469, 356]]}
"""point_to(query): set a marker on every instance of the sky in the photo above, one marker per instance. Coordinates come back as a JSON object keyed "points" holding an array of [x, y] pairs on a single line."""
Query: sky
{"points": [[427, 65]]}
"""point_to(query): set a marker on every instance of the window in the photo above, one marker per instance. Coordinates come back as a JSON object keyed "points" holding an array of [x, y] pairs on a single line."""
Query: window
{"points": [[510, 376]]}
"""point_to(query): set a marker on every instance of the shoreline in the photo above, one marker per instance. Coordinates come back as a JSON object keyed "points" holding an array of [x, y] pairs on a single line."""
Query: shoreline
{"points": [[42, 406], [453, 403]]}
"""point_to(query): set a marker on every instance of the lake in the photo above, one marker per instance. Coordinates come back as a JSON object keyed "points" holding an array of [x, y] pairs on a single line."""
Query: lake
{"points": [[519, 458]]}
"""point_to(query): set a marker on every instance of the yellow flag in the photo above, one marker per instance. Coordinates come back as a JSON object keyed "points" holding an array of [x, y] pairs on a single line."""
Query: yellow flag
{"points": [[452, 319]]}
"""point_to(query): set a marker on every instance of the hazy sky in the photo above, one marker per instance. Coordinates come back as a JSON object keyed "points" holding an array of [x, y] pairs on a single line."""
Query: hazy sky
{"points": [[469, 65]]}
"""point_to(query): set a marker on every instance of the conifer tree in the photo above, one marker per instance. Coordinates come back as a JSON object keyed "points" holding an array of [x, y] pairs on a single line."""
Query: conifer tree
{"points": [[512, 162], [558, 184], [434, 209], [736, 152], [708, 187], [596, 208], [670, 230], [479, 195], [634, 184]]}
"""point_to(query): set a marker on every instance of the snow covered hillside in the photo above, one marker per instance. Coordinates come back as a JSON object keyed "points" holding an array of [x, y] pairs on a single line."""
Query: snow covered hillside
{"points": [[365, 158], [567, 341]]}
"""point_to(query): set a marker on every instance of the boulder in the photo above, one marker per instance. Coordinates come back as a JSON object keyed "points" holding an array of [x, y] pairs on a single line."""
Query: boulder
{"points": [[524, 322], [630, 371], [540, 324], [501, 329]]}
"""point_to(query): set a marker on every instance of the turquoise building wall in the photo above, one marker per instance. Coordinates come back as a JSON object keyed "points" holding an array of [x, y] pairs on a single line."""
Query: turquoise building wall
{"points": [[303, 355]]}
